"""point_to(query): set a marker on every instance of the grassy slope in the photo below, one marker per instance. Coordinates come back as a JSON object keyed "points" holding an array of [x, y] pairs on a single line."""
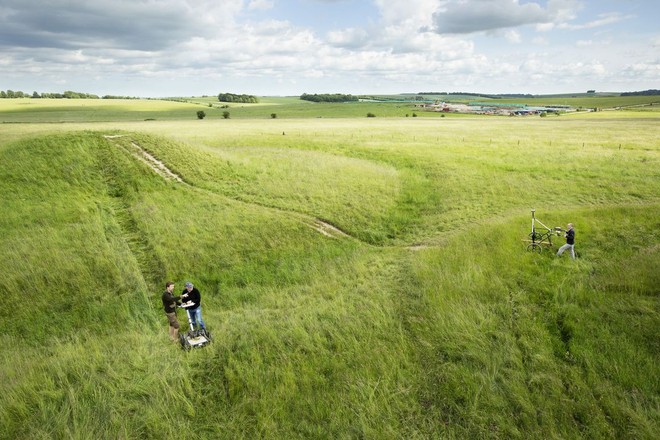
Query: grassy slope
{"points": [[514, 346], [93, 110], [442, 174], [322, 338]]}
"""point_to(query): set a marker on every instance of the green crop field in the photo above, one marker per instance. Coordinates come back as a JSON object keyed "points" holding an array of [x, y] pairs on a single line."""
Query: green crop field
{"points": [[362, 277]]}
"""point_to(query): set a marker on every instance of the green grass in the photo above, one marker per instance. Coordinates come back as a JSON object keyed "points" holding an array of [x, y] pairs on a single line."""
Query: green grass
{"points": [[430, 320], [30, 110], [554, 341], [99, 110]]}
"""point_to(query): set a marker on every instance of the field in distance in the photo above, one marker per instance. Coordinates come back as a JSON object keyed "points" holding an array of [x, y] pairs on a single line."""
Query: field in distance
{"points": [[29, 110]]}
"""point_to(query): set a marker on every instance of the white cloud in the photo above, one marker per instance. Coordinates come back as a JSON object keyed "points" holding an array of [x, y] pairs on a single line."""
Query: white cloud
{"points": [[513, 36], [410, 13], [647, 70], [603, 20], [464, 17], [111, 23], [349, 38], [564, 10], [545, 27], [260, 5]]}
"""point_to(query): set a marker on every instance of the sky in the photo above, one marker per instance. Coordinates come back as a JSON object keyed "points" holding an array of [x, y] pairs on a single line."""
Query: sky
{"points": [[164, 48]]}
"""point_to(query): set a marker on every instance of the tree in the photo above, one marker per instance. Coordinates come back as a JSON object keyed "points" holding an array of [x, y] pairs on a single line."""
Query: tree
{"points": [[650, 92], [201, 114], [232, 97], [225, 115], [35, 95], [327, 97]]}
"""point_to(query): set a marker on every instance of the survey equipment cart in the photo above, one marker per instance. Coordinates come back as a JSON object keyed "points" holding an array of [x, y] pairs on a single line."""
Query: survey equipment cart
{"points": [[541, 235], [193, 338]]}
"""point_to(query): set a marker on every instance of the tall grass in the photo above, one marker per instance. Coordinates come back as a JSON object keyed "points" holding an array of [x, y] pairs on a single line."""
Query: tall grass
{"points": [[439, 176], [517, 345], [429, 321]]}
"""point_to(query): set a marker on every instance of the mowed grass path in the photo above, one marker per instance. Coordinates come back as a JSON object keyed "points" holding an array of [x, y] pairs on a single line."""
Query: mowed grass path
{"points": [[429, 321]]}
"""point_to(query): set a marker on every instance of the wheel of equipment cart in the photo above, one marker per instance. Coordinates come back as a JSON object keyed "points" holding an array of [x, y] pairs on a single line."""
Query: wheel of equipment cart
{"points": [[535, 247], [184, 342]]}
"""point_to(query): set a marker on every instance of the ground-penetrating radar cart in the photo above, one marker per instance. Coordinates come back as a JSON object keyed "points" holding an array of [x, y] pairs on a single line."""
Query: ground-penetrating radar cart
{"points": [[193, 338], [541, 236]]}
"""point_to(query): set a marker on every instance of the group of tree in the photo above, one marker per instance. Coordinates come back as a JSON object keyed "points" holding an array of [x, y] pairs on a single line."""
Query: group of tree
{"points": [[650, 92], [120, 97], [328, 97], [231, 97], [66, 95], [77, 95], [13, 94]]}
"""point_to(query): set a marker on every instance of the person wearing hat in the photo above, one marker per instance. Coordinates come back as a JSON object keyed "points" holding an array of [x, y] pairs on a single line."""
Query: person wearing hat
{"points": [[170, 303], [192, 295]]}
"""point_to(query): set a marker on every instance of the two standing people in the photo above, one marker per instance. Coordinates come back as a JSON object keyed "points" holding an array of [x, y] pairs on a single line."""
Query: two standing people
{"points": [[171, 302]]}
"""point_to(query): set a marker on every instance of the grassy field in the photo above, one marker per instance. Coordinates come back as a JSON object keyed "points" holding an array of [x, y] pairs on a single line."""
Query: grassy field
{"points": [[425, 318], [28, 110]]}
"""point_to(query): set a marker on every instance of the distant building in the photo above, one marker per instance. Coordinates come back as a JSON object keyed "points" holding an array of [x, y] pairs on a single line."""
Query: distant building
{"points": [[492, 108]]}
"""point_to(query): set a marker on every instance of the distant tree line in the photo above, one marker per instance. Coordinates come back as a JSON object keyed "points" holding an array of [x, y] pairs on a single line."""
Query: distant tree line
{"points": [[650, 92], [398, 98], [231, 97], [13, 94], [66, 95], [500, 96], [510, 95], [326, 97], [77, 95], [119, 97]]}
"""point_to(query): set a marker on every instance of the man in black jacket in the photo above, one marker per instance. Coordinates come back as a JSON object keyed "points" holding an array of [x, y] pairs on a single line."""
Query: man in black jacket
{"points": [[170, 302], [191, 294], [570, 242]]}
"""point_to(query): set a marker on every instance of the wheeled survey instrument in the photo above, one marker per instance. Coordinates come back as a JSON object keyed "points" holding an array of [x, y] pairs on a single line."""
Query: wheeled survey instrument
{"points": [[193, 338], [541, 236]]}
